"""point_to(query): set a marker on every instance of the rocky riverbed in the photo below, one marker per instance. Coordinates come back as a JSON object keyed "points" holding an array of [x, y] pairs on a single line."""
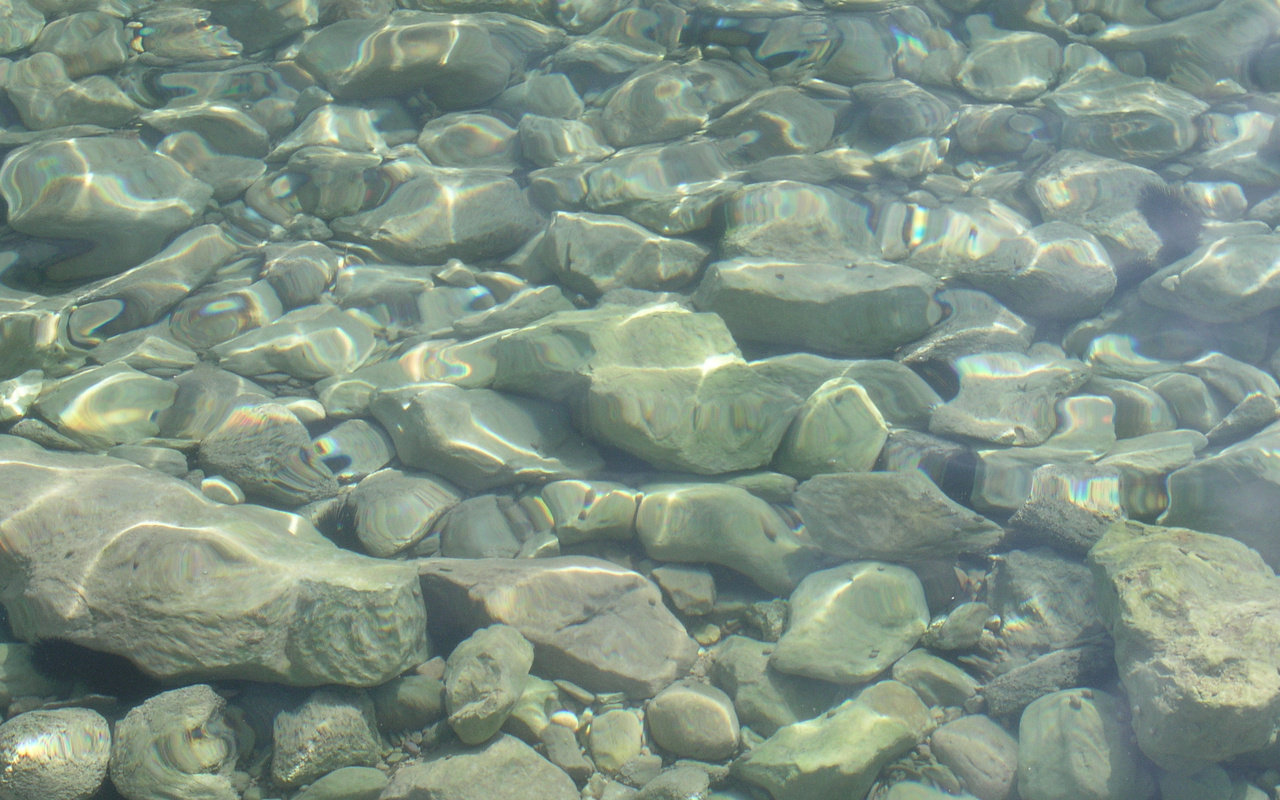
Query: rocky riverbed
{"points": [[640, 400]]}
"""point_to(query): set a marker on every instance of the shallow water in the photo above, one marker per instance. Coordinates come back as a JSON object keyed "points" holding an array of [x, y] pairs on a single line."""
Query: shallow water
{"points": [[609, 399]]}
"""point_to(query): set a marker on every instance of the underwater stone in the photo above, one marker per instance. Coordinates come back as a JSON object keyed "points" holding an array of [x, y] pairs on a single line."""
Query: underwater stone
{"points": [[330, 730], [788, 220], [362, 621], [504, 767], [394, 510], [693, 720], [267, 452], [1229, 280], [176, 744], [483, 679], [59, 754], [593, 253], [838, 429]]}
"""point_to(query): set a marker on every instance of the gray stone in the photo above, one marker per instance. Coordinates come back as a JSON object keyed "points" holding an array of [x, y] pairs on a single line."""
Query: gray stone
{"points": [[266, 451], [1068, 668], [484, 677], [504, 767], [1232, 494], [974, 323], [114, 192], [693, 720], [1194, 617], [481, 439], [459, 61], [1139, 410], [491, 526], [895, 516], [777, 121], [468, 139], [764, 698], [867, 308], [330, 730], [670, 189], [1052, 271], [616, 737], [692, 590], [60, 754], [347, 783], [838, 429], [850, 623], [582, 511], [1228, 280], [841, 753], [593, 253], [393, 511], [797, 222], [979, 752], [1008, 398], [726, 525], [548, 142], [290, 607], [938, 682], [308, 343], [46, 97], [225, 127], [104, 406], [1045, 601], [599, 625], [961, 628], [470, 214], [720, 416], [410, 702], [1073, 744], [176, 744], [1058, 514], [667, 101], [20, 25], [1007, 67]]}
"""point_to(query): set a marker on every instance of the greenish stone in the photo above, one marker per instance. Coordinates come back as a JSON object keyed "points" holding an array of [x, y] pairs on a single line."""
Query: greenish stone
{"points": [[980, 752], [838, 429], [938, 682], [105, 406], [1196, 622], [726, 525], [764, 698], [708, 419], [1072, 744], [840, 753], [616, 737], [693, 720], [850, 623], [347, 783], [410, 702], [484, 678], [959, 629]]}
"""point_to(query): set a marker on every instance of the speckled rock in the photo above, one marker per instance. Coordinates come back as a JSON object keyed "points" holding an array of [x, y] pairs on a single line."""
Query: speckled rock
{"points": [[330, 730], [60, 754], [177, 743], [484, 677], [504, 767]]}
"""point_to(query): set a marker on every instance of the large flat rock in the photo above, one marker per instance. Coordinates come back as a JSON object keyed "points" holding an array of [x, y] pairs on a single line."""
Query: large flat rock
{"points": [[112, 556], [590, 621]]}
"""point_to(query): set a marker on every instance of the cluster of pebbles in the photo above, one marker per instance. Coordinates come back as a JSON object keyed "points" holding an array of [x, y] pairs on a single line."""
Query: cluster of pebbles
{"points": [[640, 399]]}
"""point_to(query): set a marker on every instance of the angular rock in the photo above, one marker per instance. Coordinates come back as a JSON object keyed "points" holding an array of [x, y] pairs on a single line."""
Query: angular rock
{"points": [[850, 623], [669, 100], [838, 429], [1194, 617], [765, 699], [288, 605], [777, 121], [593, 253], [726, 525], [670, 189], [104, 406], [797, 221], [582, 511], [329, 731], [308, 343], [937, 681], [46, 97], [894, 516], [480, 439], [1229, 280], [484, 678], [979, 752], [591, 622], [393, 511], [840, 753], [266, 451], [865, 309]]}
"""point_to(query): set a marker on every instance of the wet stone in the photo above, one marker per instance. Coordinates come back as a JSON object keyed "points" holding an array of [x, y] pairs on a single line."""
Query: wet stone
{"points": [[840, 753], [504, 767], [937, 681], [692, 590], [599, 625], [308, 343], [104, 406], [393, 511], [20, 25], [718, 417], [1189, 398], [1074, 744], [46, 97], [672, 100], [777, 121], [410, 702], [1007, 67], [979, 752], [175, 742], [113, 191], [616, 737], [347, 783], [960, 628], [299, 271], [848, 624], [1052, 271], [796, 221], [481, 439], [349, 128], [228, 129], [838, 429], [88, 42], [726, 525], [217, 314], [469, 140], [354, 449], [764, 698], [594, 253], [897, 516], [898, 110], [1045, 602], [1068, 668], [1069, 506], [267, 452], [552, 95], [458, 61], [227, 175], [469, 214], [330, 730], [973, 322], [865, 309], [548, 142], [60, 754], [693, 720], [583, 511], [1229, 280], [667, 188], [1139, 410], [489, 526], [18, 394], [988, 407], [484, 678]]}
